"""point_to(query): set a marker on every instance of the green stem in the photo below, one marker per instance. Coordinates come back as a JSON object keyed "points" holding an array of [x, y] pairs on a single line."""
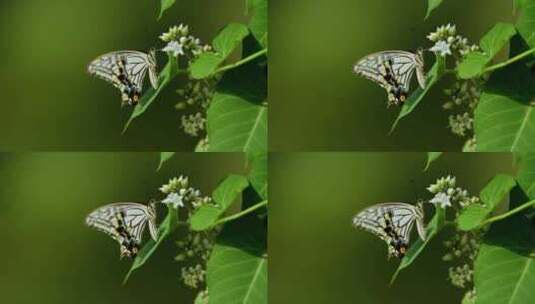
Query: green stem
{"points": [[242, 213], [508, 214], [449, 223], [508, 62], [241, 62]]}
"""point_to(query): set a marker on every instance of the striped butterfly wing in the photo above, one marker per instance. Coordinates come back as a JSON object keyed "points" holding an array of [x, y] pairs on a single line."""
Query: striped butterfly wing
{"points": [[125, 223], [126, 71], [392, 222], [393, 71]]}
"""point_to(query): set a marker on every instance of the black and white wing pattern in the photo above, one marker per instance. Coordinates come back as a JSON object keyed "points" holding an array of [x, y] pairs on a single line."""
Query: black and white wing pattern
{"points": [[393, 71], [126, 71], [392, 222], [125, 223]]}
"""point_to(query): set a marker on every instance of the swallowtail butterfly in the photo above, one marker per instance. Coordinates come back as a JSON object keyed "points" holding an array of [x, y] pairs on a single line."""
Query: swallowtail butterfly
{"points": [[392, 222], [126, 71], [125, 223], [393, 71]]}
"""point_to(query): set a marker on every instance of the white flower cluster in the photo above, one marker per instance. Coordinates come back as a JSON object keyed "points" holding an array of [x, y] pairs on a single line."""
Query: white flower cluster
{"points": [[196, 96], [463, 98], [193, 276], [193, 124], [195, 247], [461, 276], [463, 94], [194, 251], [470, 145], [470, 297], [202, 297], [180, 194], [447, 42], [463, 247], [461, 124], [462, 250], [181, 43], [446, 193]]}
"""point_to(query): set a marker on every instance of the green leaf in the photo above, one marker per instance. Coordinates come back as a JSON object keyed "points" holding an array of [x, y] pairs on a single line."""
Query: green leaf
{"points": [[169, 72], [432, 5], [493, 41], [237, 272], [436, 72], [258, 176], [494, 192], [229, 38], [472, 65], [205, 65], [236, 125], [497, 38], [259, 20], [205, 217], [164, 156], [164, 5], [526, 174], [504, 117], [166, 228], [224, 195], [504, 268], [229, 190], [435, 225], [526, 21], [224, 44], [431, 157]]}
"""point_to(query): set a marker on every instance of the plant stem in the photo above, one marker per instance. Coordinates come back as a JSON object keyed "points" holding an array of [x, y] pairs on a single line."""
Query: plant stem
{"points": [[449, 223], [243, 61], [242, 213], [507, 214], [508, 62]]}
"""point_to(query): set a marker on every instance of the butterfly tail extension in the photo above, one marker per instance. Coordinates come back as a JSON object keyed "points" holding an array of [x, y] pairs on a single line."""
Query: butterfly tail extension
{"points": [[420, 227], [420, 75], [153, 229]]}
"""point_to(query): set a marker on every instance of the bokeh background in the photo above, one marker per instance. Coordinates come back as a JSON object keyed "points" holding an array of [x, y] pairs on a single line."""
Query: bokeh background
{"points": [[49, 102], [317, 257], [48, 255], [318, 104]]}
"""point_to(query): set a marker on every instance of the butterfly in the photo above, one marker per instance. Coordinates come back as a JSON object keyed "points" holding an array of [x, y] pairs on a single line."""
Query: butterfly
{"points": [[126, 71], [393, 71], [392, 222], [125, 223]]}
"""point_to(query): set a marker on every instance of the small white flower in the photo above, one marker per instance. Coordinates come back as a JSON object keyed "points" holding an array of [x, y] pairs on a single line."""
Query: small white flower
{"points": [[174, 199], [441, 47], [175, 48], [433, 36], [441, 199]]}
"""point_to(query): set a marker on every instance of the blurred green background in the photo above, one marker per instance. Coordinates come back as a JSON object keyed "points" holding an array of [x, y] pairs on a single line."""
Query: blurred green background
{"points": [[316, 256], [318, 104], [48, 255], [49, 102]]}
